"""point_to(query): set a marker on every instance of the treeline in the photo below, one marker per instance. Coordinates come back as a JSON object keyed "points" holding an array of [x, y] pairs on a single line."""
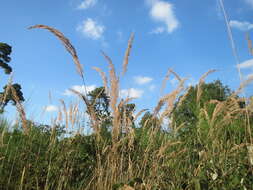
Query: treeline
{"points": [[205, 146]]}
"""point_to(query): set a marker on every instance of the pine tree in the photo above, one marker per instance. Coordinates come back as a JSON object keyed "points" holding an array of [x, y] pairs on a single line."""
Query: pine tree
{"points": [[11, 92]]}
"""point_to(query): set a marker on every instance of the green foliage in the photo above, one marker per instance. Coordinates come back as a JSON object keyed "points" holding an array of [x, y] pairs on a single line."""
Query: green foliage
{"points": [[5, 51], [201, 155], [46, 157], [7, 95], [100, 102], [187, 113], [149, 121]]}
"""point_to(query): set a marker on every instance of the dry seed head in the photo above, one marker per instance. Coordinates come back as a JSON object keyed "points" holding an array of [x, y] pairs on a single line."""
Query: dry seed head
{"points": [[171, 98], [163, 149], [93, 117], [166, 78], [175, 154], [104, 78], [243, 85], [201, 81], [65, 41], [176, 75], [59, 117], [203, 110], [20, 109], [114, 83], [114, 94], [250, 153], [74, 114], [181, 100], [159, 106], [237, 147], [139, 113], [131, 136], [127, 54], [249, 43], [65, 112], [70, 115], [126, 187], [177, 128], [8, 88], [217, 110], [214, 101], [126, 101], [203, 77]]}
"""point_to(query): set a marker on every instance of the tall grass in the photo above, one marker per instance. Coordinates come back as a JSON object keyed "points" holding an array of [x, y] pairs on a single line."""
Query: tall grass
{"points": [[214, 153]]}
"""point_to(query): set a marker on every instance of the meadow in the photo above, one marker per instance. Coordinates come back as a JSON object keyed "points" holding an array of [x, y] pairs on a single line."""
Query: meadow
{"points": [[197, 137]]}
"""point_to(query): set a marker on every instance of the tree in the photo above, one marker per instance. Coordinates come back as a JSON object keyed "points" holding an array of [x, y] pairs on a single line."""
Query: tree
{"points": [[187, 112], [126, 115], [12, 92], [5, 51], [99, 100], [149, 121]]}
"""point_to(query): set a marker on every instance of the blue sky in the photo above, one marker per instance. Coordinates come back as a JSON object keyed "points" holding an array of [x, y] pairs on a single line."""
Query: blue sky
{"points": [[188, 36]]}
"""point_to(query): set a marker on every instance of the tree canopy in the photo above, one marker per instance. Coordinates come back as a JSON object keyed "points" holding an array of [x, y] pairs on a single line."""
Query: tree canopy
{"points": [[11, 92], [187, 111]]}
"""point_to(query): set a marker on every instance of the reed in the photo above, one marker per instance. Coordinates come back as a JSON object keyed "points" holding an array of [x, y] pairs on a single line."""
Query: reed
{"points": [[127, 153]]}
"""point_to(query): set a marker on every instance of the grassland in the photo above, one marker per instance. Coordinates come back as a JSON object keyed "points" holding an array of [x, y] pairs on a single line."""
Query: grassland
{"points": [[210, 149]]}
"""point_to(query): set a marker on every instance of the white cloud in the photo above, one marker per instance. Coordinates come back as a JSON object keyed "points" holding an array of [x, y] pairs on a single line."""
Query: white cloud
{"points": [[163, 12], [158, 30], [246, 64], [142, 80], [87, 4], [51, 108], [241, 25], [91, 29], [79, 88], [131, 93]]}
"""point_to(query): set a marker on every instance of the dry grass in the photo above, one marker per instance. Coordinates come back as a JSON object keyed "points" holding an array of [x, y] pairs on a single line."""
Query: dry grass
{"points": [[170, 98], [114, 95], [139, 114], [243, 84], [90, 109], [249, 43], [20, 110], [67, 44], [127, 54], [201, 82], [114, 161], [209, 153], [104, 78]]}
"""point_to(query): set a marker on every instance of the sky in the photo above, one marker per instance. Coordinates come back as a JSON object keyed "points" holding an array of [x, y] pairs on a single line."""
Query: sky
{"points": [[189, 37]]}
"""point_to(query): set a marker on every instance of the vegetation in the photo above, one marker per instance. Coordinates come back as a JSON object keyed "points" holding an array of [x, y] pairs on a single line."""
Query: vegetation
{"points": [[206, 142], [12, 92]]}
